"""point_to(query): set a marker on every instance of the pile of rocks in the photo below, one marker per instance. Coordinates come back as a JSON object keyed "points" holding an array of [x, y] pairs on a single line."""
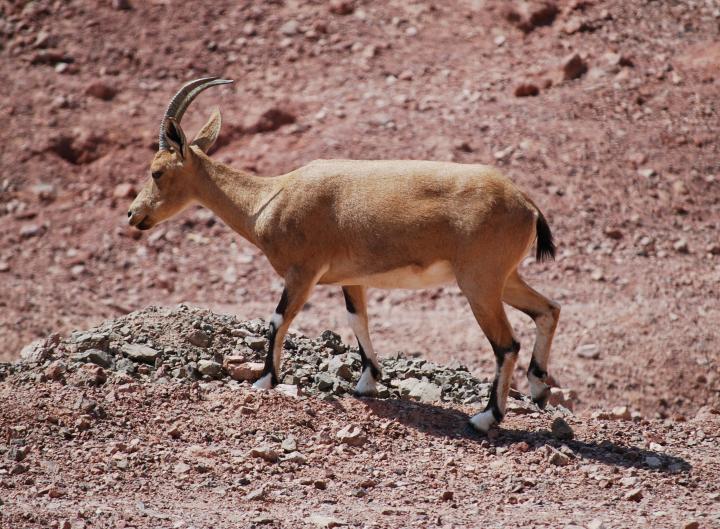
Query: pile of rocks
{"points": [[189, 344]]}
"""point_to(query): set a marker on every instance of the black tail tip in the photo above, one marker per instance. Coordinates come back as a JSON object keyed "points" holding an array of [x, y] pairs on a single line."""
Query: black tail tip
{"points": [[545, 244]]}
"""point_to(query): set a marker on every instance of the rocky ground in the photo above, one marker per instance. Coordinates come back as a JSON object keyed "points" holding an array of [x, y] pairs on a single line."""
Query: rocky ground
{"points": [[604, 111], [150, 421]]}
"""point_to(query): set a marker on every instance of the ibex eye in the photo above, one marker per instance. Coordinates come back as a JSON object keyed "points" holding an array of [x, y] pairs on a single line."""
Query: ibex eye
{"points": [[156, 174]]}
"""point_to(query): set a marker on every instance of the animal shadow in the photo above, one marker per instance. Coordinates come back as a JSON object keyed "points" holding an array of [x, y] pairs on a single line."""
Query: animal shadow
{"points": [[453, 424]]}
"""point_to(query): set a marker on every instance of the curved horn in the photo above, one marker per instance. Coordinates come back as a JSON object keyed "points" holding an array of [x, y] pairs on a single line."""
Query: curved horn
{"points": [[182, 99]]}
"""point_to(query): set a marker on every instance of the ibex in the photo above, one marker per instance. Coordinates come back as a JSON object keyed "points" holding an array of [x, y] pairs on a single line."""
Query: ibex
{"points": [[362, 223]]}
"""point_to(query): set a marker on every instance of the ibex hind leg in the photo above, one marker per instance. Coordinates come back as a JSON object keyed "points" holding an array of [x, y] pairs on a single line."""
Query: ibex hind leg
{"points": [[484, 295], [545, 313]]}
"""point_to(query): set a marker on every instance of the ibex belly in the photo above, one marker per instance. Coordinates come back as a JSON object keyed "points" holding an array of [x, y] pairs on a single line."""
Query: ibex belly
{"points": [[410, 277]]}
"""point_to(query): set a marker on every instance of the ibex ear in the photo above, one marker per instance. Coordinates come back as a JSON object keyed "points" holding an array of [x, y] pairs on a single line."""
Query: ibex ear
{"points": [[175, 137], [207, 135]]}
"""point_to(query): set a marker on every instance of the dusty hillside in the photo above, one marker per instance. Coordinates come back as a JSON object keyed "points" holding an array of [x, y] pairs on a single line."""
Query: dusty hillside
{"points": [[605, 112]]}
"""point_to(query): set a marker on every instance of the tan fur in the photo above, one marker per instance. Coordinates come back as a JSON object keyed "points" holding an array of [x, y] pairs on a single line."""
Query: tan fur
{"points": [[393, 223]]}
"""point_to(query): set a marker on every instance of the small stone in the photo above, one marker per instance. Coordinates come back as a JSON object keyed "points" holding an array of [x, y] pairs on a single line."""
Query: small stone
{"points": [[352, 436], [691, 525], [90, 375], [101, 90], [561, 429], [681, 246], [295, 457], [596, 524], [55, 370], [590, 351], [124, 191], [559, 459], [324, 381], [634, 495], [256, 343], [140, 353], [257, 494], [198, 338], [245, 372], [562, 397], [291, 390], [613, 233], [527, 90], [31, 230], [265, 452], [338, 367], [620, 413], [573, 67], [181, 468], [289, 28], [289, 444], [210, 368], [341, 7], [121, 5], [646, 172], [18, 469], [4, 266], [322, 521], [320, 484], [95, 356], [447, 495]]}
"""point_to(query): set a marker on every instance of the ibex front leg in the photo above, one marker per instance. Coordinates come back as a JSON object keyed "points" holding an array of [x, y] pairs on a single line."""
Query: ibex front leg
{"points": [[356, 305], [298, 286]]}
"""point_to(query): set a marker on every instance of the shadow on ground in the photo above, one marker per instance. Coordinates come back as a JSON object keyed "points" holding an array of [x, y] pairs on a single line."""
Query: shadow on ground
{"points": [[453, 424]]}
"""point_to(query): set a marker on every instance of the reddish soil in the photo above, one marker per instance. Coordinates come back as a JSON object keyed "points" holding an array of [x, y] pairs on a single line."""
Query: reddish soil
{"points": [[624, 160]]}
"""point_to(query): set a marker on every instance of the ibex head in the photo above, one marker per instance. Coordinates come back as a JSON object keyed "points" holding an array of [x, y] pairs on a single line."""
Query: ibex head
{"points": [[170, 189]]}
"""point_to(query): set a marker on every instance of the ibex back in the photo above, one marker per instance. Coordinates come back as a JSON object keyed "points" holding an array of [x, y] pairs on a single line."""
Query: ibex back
{"points": [[360, 224]]}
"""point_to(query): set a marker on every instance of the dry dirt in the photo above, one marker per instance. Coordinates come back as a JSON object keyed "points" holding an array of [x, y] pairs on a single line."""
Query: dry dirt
{"points": [[623, 159]]}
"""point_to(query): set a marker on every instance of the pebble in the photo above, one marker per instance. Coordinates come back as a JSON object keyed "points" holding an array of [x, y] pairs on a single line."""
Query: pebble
{"points": [[634, 495], [265, 452], [31, 230], [323, 521], [125, 190], [561, 429], [589, 351], [245, 372], [653, 462], [140, 352], [101, 90], [573, 67], [352, 436], [199, 338], [526, 90], [257, 494], [557, 458], [681, 246], [210, 368], [289, 444], [256, 343]]}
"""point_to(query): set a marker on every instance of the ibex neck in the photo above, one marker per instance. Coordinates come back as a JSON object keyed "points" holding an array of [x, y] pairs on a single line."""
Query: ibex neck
{"points": [[234, 196]]}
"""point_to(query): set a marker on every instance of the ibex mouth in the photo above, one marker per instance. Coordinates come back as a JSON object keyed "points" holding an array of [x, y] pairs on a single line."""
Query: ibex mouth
{"points": [[144, 224]]}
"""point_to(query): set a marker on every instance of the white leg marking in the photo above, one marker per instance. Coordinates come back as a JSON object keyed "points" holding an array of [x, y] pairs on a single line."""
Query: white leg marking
{"points": [[537, 386], [358, 326], [366, 386], [276, 320], [483, 421], [264, 382]]}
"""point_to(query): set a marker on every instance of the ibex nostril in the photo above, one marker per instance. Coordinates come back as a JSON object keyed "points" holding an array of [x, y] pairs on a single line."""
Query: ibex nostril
{"points": [[129, 214]]}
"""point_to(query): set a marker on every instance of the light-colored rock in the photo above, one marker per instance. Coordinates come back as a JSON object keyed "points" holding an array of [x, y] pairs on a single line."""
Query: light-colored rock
{"points": [[265, 452], [139, 352], [245, 372], [352, 436], [209, 368]]}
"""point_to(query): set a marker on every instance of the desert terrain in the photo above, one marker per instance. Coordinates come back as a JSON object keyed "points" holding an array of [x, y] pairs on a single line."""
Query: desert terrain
{"points": [[604, 112]]}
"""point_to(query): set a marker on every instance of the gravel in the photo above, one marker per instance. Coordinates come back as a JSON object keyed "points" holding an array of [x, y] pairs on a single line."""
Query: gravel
{"points": [[190, 344]]}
